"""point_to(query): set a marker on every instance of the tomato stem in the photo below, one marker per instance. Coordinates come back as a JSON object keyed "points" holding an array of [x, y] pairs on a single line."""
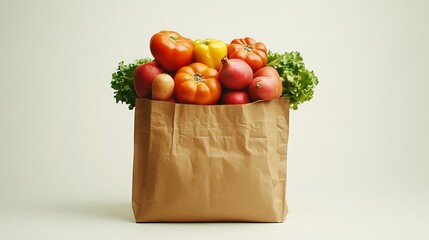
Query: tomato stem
{"points": [[198, 77], [248, 48]]}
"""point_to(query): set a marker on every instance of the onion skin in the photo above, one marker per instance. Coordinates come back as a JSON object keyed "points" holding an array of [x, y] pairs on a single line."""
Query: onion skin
{"points": [[266, 84], [235, 74], [236, 97]]}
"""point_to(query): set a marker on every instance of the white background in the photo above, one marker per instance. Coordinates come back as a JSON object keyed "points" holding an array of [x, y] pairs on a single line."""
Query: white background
{"points": [[358, 152]]}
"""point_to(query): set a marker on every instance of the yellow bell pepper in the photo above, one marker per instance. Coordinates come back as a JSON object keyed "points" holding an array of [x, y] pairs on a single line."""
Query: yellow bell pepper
{"points": [[210, 52]]}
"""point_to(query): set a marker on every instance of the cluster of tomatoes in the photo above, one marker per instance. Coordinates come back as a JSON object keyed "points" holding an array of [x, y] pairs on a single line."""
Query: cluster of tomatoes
{"points": [[206, 71]]}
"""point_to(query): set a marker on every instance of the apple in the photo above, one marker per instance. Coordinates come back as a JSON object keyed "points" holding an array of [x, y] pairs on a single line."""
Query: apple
{"points": [[143, 78]]}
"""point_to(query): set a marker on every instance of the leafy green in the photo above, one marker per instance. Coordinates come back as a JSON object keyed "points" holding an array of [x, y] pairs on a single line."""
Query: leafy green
{"points": [[123, 83], [298, 82]]}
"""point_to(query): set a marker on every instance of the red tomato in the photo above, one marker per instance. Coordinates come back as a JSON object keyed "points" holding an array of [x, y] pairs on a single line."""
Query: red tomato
{"points": [[171, 50], [198, 84], [247, 49], [143, 78]]}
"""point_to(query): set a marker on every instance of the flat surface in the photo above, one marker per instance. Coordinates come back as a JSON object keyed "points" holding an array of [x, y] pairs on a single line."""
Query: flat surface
{"points": [[358, 152]]}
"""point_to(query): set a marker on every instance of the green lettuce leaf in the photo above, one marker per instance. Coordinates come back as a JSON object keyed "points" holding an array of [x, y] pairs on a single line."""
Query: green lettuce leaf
{"points": [[298, 82]]}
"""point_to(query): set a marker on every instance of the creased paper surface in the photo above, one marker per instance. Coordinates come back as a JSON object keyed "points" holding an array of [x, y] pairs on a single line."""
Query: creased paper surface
{"points": [[196, 163]]}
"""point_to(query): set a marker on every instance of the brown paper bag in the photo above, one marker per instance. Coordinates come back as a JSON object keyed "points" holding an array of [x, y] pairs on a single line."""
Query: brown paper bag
{"points": [[196, 163]]}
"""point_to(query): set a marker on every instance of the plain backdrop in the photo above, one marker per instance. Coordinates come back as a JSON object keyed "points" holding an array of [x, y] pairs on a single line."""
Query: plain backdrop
{"points": [[358, 152]]}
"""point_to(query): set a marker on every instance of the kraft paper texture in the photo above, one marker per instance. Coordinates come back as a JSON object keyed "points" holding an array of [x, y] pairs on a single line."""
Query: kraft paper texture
{"points": [[195, 163]]}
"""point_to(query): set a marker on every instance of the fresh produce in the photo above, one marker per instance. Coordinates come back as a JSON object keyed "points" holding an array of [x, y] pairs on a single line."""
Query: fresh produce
{"points": [[252, 52], [298, 82], [162, 87], [266, 84], [235, 74], [198, 84], [236, 97], [123, 84], [210, 52], [211, 72], [143, 77], [171, 50]]}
